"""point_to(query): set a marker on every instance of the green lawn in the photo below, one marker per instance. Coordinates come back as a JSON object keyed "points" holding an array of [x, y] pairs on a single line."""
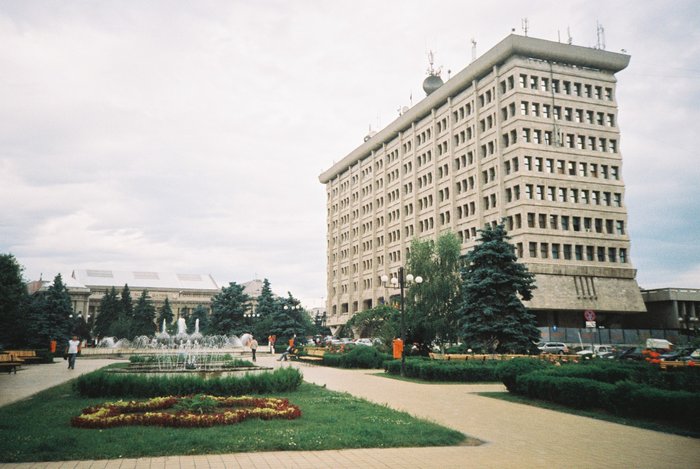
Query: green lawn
{"points": [[38, 429]]}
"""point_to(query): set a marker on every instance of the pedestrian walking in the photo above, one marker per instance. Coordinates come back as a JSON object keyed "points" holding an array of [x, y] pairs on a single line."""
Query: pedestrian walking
{"points": [[253, 346], [72, 350], [271, 339]]}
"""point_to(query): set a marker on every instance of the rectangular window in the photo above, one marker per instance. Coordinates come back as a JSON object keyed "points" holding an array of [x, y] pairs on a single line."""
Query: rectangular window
{"points": [[590, 253], [544, 250], [565, 222], [620, 227], [538, 164], [555, 251], [554, 222], [584, 196], [550, 193], [530, 220], [540, 193], [528, 191], [623, 255], [579, 252], [609, 226], [587, 223], [542, 221], [533, 249], [528, 163], [618, 199], [594, 170], [612, 255], [582, 169], [601, 254], [524, 108], [567, 252], [522, 81], [576, 223], [536, 109], [574, 196]]}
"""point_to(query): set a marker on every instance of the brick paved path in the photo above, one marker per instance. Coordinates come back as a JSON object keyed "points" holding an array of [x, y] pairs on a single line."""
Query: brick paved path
{"points": [[514, 435]]}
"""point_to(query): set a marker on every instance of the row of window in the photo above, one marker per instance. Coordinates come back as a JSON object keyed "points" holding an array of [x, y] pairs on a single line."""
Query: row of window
{"points": [[554, 86], [576, 252], [569, 114]]}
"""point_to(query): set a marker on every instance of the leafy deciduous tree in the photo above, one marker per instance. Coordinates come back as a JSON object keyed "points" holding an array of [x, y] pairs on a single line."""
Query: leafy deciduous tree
{"points": [[431, 305]]}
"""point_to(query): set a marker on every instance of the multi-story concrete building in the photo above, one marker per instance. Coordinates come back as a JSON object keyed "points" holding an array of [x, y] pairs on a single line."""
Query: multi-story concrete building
{"points": [[526, 134]]}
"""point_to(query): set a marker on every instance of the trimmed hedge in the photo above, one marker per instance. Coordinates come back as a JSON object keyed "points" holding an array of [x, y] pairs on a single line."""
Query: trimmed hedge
{"points": [[631, 390], [508, 371], [358, 357], [105, 384], [431, 370]]}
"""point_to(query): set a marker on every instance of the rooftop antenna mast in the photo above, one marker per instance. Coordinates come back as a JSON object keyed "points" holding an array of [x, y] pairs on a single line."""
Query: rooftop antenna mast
{"points": [[570, 39], [600, 33], [524, 26], [473, 49]]}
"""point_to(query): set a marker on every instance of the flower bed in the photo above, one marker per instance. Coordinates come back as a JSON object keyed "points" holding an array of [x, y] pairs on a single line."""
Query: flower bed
{"points": [[154, 412]]}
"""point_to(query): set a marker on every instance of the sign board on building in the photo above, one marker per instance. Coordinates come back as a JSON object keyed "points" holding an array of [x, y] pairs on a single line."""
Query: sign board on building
{"points": [[590, 324], [589, 315]]}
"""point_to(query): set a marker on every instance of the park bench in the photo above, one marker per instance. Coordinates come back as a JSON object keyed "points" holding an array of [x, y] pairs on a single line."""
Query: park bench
{"points": [[313, 354], [664, 365], [9, 362], [26, 356]]}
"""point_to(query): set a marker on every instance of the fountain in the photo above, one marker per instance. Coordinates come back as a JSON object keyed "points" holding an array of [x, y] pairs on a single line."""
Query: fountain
{"points": [[182, 352]]}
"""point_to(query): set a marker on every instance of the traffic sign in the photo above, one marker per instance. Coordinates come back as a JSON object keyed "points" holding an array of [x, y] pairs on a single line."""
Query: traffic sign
{"points": [[589, 315]]}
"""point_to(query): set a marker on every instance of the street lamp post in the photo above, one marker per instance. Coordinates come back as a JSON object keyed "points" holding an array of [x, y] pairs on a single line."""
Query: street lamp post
{"points": [[400, 281]]}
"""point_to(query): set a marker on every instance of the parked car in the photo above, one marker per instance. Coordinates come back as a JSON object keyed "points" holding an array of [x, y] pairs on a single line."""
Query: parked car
{"points": [[677, 354], [597, 351], [364, 341], [553, 347], [634, 353], [693, 356]]}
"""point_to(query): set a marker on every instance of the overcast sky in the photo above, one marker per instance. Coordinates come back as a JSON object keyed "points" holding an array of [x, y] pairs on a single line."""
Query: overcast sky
{"points": [[188, 136]]}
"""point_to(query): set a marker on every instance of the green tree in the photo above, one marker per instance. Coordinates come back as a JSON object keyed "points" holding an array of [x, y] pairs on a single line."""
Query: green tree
{"points": [[382, 322], [13, 296], [59, 321], [165, 312], [201, 313], [431, 306], [228, 308], [288, 319], [143, 322], [492, 316], [109, 313]]}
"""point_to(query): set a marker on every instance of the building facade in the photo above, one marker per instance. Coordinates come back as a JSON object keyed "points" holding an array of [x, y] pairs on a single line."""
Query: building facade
{"points": [[527, 135], [184, 291]]}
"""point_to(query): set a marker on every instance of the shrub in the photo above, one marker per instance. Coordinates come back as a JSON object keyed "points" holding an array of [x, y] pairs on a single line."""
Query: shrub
{"points": [[357, 357], [579, 393], [106, 384], [509, 371], [437, 370]]}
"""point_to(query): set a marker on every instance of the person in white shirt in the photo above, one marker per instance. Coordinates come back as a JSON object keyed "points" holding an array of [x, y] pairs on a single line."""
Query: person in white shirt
{"points": [[253, 346], [72, 351]]}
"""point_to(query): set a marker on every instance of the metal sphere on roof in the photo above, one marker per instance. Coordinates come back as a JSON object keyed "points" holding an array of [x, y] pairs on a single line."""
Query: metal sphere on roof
{"points": [[431, 83]]}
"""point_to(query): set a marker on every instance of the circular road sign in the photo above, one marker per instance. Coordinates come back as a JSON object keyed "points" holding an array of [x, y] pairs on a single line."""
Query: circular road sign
{"points": [[589, 315]]}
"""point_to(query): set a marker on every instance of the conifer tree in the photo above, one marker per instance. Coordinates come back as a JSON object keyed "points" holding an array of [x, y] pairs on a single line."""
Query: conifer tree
{"points": [[13, 295], [166, 312], [492, 316], [143, 322], [109, 313], [201, 313], [228, 308], [60, 320]]}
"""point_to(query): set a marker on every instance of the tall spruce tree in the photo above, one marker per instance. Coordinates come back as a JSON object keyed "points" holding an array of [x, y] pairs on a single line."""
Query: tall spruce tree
{"points": [[493, 317], [288, 319], [109, 313], [60, 320], [228, 307], [13, 295], [201, 313], [165, 312], [264, 311], [143, 322]]}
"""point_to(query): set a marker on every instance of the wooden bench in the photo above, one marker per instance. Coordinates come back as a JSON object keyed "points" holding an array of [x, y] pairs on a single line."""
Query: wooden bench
{"points": [[311, 354], [10, 362], [26, 356], [664, 365]]}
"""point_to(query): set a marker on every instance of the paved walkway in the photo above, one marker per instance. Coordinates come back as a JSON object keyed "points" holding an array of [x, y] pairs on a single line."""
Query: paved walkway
{"points": [[515, 436]]}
